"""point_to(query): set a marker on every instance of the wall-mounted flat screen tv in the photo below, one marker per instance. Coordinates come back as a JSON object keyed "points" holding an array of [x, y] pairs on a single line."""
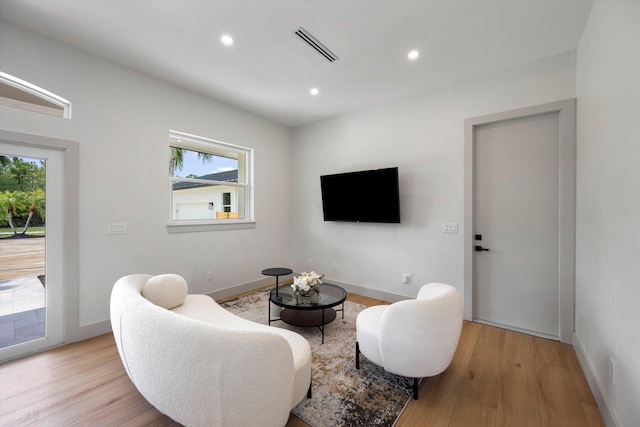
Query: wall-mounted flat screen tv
{"points": [[363, 196]]}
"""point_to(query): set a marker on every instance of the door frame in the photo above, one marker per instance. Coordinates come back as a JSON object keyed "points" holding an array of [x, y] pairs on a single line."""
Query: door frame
{"points": [[71, 232], [566, 110]]}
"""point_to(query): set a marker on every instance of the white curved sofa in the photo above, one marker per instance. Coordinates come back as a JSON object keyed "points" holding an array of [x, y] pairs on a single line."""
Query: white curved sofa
{"points": [[204, 366]]}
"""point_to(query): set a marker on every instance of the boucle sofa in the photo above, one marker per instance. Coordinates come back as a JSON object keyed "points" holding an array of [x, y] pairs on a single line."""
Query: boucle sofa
{"points": [[202, 365]]}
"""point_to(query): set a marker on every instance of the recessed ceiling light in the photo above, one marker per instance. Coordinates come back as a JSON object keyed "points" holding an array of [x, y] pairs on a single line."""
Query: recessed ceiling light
{"points": [[314, 91], [413, 55], [226, 40]]}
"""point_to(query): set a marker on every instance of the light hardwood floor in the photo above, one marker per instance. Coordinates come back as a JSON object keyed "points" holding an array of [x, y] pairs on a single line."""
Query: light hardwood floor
{"points": [[497, 378]]}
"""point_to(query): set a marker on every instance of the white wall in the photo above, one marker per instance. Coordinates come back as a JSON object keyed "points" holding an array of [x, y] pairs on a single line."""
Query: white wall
{"points": [[424, 137], [608, 203], [121, 120]]}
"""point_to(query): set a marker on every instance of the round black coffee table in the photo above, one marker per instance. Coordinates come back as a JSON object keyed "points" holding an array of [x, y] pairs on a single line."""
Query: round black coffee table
{"points": [[301, 312]]}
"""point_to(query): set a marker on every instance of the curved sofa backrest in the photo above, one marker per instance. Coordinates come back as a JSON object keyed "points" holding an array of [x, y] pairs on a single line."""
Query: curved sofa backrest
{"points": [[418, 338], [125, 289], [198, 373]]}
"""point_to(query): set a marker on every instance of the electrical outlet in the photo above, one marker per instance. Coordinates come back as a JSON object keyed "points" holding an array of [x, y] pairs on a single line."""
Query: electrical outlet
{"points": [[406, 277], [309, 262], [209, 276], [335, 266]]}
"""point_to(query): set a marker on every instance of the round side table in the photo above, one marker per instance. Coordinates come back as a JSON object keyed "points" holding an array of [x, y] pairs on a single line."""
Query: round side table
{"points": [[277, 272]]}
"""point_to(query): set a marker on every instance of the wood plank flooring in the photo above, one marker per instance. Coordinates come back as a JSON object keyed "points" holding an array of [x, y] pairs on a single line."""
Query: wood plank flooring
{"points": [[497, 378]]}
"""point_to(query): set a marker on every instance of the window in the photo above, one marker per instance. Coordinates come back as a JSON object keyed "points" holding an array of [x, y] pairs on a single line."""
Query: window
{"points": [[17, 93], [210, 181], [226, 202]]}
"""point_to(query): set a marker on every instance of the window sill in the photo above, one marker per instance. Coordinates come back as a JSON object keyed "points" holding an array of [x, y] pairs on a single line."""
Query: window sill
{"points": [[191, 227]]}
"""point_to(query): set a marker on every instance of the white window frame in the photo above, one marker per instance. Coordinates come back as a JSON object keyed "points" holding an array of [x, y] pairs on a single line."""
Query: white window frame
{"points": [[207, 145], [62, 106]]}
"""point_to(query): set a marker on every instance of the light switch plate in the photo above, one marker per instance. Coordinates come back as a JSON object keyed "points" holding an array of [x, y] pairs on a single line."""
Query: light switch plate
{"points": [[449, 227], [117, 228]]}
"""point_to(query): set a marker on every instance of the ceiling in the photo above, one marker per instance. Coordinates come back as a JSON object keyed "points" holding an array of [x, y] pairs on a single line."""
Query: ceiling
{"points": [[269, 71]]}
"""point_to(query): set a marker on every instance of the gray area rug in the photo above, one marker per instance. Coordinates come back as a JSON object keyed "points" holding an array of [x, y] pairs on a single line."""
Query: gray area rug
{"points": [[342, 395]]}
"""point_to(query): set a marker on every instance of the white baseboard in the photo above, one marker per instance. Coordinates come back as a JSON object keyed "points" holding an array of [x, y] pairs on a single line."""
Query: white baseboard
{"points": [[95, 329], [89, 331], [606, 409], [241, 288], [77, 334], [250, 286], [522, 331], [99, 328], [367, 292]]}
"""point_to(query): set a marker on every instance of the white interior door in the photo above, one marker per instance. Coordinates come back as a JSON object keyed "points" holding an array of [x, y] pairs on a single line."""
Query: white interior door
{"points": [[54, 248], [517, 214]]}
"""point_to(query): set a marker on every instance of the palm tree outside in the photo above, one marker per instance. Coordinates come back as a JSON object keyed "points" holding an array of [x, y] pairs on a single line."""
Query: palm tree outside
{"points": [[176, 159], [22, 193]]}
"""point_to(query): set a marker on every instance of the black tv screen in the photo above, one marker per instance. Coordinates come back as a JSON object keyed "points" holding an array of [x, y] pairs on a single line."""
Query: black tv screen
{"points": [[364, 196]]}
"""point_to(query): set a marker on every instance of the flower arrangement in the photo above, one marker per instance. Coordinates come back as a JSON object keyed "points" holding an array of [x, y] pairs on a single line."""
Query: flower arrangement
{"points": [[307, 282]]}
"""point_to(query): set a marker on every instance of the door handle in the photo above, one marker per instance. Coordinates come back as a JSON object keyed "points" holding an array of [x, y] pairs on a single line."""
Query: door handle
{"points": [[480, 249]]}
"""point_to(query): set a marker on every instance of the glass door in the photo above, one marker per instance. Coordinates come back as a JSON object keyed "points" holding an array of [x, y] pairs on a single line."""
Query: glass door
{"points": [[31, 253]]}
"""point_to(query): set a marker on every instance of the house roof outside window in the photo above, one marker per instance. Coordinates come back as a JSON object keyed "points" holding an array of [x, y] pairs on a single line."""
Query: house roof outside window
{"points": [[226, 176]]}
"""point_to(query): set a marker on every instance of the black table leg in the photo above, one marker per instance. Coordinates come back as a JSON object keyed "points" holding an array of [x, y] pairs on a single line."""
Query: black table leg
{"points": [[323, 326]]}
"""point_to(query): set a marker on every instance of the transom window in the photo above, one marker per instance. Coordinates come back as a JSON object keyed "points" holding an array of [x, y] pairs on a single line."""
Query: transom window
{"points": [[210, 181], [23, 95]]}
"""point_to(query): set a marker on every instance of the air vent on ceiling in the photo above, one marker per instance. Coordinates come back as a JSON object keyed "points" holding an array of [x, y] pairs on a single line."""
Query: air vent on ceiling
{"points": [[315, 44]]}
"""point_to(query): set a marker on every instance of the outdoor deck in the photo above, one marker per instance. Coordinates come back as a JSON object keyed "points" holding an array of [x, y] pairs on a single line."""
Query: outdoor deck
{"points": [[22, 295]]}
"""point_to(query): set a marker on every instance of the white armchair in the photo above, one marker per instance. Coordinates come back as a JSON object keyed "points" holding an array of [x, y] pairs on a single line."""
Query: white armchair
{"points": [[413, 338]]}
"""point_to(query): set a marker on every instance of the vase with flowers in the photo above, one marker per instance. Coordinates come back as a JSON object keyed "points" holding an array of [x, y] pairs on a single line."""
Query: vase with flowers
{"points": [[306, 286]]}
